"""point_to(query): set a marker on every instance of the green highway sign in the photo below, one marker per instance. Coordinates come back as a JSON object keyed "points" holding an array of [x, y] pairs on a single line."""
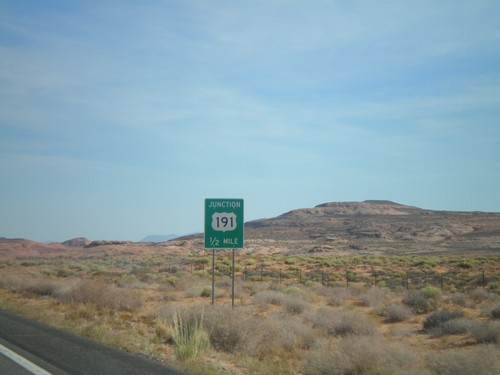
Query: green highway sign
{"points": [[224, 223]]}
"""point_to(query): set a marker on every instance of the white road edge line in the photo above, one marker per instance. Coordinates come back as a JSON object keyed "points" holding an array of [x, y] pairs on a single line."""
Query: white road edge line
{"points": [[23, 362]]}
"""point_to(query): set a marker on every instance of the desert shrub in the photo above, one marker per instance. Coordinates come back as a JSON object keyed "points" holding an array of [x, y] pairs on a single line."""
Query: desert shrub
{"points": [[291, 332], [438, 318], [64, 272], [303, 292], [337, 296], [396, 312], [422, 301], [294, 305], [480, 361], [361, 356], [279, 333], [101, 294], [430, 292], [453, 327], [47, 272], [495, 313], [266, 297], [374, 297], [479, 295], [206, 292], [131, 282], [224, 282], [240, 331], [461, 299], [229, 332], [486, 333], [29, 284], [42, 287], [342, 322]]}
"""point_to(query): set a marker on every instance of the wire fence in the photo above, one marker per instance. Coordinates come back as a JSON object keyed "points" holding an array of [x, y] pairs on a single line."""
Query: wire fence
{"points": [[451, 280]]}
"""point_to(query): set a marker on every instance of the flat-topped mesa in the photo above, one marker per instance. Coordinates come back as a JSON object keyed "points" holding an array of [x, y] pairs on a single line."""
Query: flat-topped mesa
{"points": [[386, 202], [371, 207]]}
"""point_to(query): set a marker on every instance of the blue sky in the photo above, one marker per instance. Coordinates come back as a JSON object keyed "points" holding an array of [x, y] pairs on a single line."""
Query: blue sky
{"points": [[118, 118]]}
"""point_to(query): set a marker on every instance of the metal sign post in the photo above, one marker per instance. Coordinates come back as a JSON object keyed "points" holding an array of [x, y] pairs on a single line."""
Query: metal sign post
{"points": [[213, 275], [232, 284], [223, 230]]}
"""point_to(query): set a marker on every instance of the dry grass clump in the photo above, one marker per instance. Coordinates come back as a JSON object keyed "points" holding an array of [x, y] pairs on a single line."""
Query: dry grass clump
{"points": [[374, 297], [480, 361], [462, 300], [424, 300], [294, 305], [361, 355], [486, 333], [29, 284], [229, 332], [481, 295], [292, 299], [342, 322], [337, 296], [397, 312], [131, 282], [100, 294], [265, 298]]}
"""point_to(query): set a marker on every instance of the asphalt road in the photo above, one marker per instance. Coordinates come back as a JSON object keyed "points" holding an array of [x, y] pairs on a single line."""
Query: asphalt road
{"points": [[62, 353]]}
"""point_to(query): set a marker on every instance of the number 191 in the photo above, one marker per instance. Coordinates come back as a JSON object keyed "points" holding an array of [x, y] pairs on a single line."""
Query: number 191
{"points": [[224, 221]]}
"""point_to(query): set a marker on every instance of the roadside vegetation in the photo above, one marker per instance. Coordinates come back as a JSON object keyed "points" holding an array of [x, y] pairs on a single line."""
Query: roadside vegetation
{"points": [[298, 314]]}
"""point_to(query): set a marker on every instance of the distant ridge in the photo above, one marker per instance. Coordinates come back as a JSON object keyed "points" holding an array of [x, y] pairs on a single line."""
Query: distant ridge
{"points": [[77, 242], [159, 237]]}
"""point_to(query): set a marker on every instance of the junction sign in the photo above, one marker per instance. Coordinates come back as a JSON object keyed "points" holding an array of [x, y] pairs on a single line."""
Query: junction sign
{"points": [[224, 223]]}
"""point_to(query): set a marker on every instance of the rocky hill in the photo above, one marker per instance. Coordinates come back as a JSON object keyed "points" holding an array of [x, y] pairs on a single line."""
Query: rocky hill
{"points": [[378, 227], [18, 247]]}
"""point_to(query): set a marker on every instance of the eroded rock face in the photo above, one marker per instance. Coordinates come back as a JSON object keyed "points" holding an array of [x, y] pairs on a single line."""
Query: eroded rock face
{"points": [[77, 242], [381, 227]]}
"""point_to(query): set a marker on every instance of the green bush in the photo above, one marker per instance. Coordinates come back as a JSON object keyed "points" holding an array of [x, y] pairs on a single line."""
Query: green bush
{"points": [[488, 333], [422, 301], [438, 318], [495, 313], [430, 292], [206, 292]]}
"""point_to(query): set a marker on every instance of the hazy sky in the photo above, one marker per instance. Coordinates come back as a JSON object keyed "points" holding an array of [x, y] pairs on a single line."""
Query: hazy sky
{"points": [[118, 118]]}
